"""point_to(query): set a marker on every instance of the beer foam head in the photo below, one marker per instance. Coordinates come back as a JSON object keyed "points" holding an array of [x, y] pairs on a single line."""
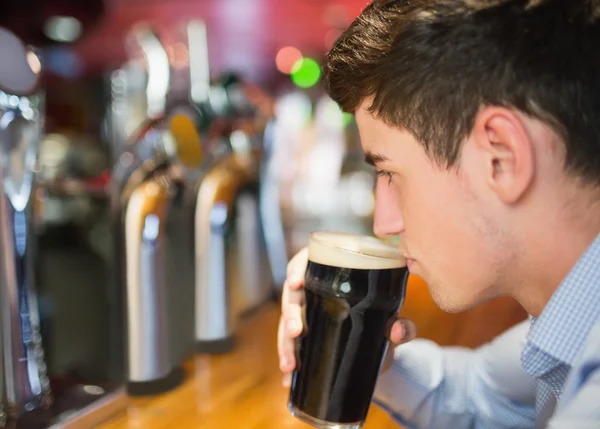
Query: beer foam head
{"points": [[341, 249]]}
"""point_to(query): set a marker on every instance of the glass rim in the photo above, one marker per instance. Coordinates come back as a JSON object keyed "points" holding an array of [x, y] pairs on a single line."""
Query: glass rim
{"points": [[394, 254]]}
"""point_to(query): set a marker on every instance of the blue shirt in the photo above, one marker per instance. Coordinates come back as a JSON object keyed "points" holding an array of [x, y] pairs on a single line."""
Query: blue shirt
{"points": [[542, 373]]}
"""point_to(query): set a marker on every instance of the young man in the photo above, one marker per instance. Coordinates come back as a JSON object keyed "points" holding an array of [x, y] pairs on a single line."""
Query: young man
{"points": [[482, 118]]}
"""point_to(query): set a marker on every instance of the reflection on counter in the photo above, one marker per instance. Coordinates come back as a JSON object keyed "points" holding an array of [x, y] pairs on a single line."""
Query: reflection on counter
{"points": [[242, 389]]}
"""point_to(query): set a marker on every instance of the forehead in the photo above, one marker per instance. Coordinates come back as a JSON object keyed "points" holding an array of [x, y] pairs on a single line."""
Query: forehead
{"points": [[364, 118], [377, 136], [372, 130]]}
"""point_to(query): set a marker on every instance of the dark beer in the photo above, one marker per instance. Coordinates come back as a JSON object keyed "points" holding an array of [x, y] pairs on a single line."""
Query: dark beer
{"points": [[354, 287]]}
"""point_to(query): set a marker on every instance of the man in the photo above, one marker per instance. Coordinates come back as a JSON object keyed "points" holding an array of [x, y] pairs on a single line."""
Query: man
{"points": [[482, 118]]}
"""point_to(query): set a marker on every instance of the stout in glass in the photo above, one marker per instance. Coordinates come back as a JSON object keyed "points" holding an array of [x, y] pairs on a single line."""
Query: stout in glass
{"points": [[354, 287]]}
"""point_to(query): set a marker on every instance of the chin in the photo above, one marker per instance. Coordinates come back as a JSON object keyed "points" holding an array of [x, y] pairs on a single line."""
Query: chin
{"points": [[451, 302], [451, 306]]}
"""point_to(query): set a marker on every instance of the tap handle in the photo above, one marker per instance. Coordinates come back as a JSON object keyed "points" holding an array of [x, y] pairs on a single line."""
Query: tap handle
{"points": [[158, 69], [197, 36], [187, 148]]}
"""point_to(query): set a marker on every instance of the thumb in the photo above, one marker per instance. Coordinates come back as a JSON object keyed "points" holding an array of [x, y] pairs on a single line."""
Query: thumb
{"points": [[402, 331]]}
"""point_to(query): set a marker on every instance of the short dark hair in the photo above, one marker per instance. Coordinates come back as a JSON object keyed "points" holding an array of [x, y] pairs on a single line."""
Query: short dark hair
{"points": [[430, 65]]}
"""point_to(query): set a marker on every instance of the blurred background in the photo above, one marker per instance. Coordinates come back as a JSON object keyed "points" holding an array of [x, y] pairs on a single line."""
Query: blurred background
{"points": [[185, 150], [86, 50]]}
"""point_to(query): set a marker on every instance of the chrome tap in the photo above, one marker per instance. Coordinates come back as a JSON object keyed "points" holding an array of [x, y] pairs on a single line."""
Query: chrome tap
{"points": [[25, 385], [232, 274], [146, 178], [145, 182]]}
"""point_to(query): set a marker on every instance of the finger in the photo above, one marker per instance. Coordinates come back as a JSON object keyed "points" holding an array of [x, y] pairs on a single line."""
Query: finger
{"points": [[296, 269], [403, 330], [291, 308], [287, 380], [285, 349]]}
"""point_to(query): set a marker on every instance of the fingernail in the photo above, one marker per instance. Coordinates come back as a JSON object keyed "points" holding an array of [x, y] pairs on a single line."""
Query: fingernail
{"points": [[409, 330]]}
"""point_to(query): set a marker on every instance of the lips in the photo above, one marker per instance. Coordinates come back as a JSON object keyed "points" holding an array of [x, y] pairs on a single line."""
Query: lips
{"points": [[409, 261]]}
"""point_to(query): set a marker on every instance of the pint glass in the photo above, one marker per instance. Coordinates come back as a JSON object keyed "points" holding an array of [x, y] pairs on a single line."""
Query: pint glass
{"points": [[354, 287]]}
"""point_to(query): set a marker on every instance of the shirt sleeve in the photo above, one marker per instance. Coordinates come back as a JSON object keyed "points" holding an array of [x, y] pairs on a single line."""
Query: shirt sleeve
{"points": [[433, 387]]}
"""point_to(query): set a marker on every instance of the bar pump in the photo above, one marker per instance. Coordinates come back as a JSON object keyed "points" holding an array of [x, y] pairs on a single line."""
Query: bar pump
{"points": [[25, 385], [146, 179], [232, 275], [145, 186]]}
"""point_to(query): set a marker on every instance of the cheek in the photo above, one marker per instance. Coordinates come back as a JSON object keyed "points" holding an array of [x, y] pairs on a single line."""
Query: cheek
{"points": [[451, 234], [428, 212], [438, 224], [465, 255]]}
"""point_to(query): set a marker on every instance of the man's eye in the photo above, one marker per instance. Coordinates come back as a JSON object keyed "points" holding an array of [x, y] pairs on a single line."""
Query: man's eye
{"points": [[383, 173]]}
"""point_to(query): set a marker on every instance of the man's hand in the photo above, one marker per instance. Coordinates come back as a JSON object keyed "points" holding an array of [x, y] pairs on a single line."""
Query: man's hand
{"points": [[292, 314]]}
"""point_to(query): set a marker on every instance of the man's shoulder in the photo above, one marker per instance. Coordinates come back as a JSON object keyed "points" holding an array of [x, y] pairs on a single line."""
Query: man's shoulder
{"points": [[578, 405], [587, 366], [593, 340], [590, 354]]}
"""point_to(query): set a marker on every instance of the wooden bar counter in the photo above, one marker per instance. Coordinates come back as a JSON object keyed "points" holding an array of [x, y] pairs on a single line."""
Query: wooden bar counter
{"points": [[242, 389]]}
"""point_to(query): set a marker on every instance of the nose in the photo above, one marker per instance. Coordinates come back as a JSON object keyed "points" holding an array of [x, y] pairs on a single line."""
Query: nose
{"points": [[388, 216]]}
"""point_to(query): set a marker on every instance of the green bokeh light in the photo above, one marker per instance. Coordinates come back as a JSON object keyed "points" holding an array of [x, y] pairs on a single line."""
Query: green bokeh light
{"points": [[347, 118], [306, 73]]}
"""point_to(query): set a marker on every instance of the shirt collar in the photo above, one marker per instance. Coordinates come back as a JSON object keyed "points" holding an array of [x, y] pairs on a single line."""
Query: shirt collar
{"points": [[565, 323]]}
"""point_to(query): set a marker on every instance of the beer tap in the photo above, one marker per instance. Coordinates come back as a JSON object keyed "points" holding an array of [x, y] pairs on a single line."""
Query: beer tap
{"points": [[232, 269], [211, 202], [25, 385], [145, 179], [145, 193]]}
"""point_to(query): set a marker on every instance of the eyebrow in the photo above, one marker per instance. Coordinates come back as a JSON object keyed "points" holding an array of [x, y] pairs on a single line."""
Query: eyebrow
{"points": [[375, 158]]}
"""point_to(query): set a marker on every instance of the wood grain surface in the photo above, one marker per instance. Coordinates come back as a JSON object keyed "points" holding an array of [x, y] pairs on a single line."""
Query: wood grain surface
{"points": [[242, 389]]}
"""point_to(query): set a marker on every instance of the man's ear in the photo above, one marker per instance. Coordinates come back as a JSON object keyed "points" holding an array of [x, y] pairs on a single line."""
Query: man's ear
{"points": [[507, 151]]}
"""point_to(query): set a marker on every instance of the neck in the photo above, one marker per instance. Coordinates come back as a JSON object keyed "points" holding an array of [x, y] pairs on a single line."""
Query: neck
{"points": [[551, 251]]}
